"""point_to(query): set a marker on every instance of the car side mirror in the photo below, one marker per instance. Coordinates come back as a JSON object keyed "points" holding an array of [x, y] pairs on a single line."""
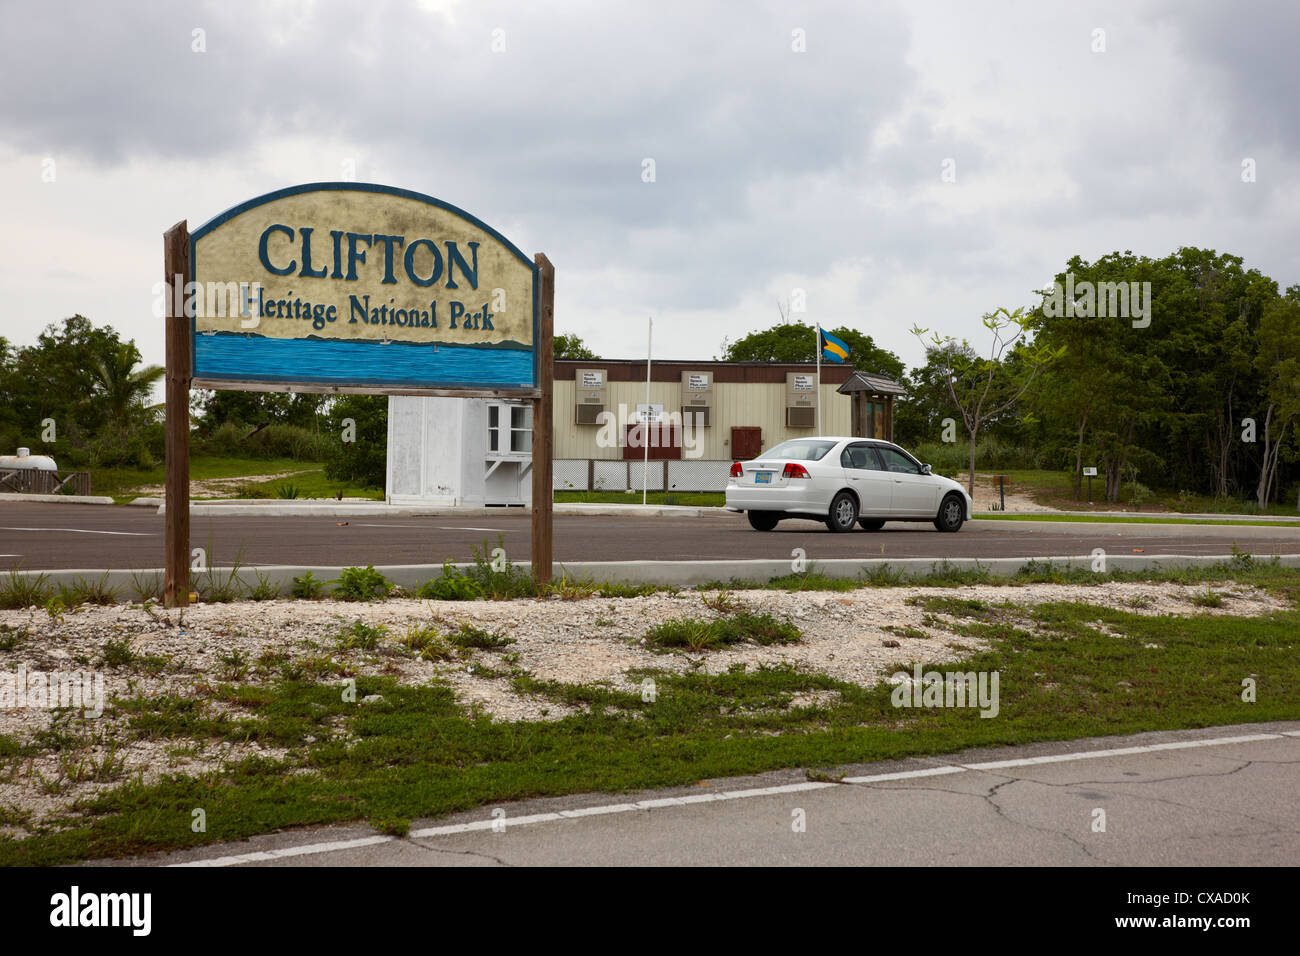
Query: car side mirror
{"points": [[925, 469]]}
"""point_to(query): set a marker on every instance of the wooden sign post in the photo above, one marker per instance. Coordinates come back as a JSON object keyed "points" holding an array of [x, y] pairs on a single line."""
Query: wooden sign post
{"points": [[353, 288], [543, 439], [176, 568]]}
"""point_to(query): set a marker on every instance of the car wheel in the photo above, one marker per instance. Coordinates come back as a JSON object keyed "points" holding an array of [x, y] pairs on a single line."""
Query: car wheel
{"points": [[843, 514], [871, 524], [952, 514], [763, 520]]}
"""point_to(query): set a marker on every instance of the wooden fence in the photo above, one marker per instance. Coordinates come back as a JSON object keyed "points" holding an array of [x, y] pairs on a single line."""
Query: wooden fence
{"points": [[29, 481]]}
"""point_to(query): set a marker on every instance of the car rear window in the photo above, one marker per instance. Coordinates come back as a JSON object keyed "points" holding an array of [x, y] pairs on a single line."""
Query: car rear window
{"points": [[800, 449]]}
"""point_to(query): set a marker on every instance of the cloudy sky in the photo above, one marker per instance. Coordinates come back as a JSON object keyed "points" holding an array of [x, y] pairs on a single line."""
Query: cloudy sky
{"points": [[1072, 128]]}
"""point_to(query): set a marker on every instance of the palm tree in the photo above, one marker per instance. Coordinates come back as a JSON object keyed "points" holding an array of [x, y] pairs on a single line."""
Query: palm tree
{"points": [[123, 389]]}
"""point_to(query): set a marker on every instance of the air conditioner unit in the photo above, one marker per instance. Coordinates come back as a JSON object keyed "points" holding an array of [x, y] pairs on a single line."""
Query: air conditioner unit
{"points": [[697, 398], [590, 392], [800, 416]]}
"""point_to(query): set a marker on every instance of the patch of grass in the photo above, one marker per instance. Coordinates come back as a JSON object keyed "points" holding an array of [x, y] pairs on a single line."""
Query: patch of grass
{"points": [[569, 588], [1208, 598], [723, 602], [360, 584], [19, 590], [146, 586], [118, 654], [287, 490], [86, 591], [699, 635], [469, 636], [265, 589]]}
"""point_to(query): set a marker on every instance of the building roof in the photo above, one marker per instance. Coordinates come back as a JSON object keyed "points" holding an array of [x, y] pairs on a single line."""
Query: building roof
{"points": [[670, 370], [870, 382]]}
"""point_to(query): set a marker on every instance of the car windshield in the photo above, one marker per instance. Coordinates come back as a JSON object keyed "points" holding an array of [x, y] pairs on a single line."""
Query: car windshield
{"points": [[801, 449]]}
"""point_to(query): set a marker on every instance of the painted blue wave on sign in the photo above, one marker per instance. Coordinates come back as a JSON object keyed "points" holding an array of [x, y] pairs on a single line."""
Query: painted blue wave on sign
{"points": [[351, 362]]}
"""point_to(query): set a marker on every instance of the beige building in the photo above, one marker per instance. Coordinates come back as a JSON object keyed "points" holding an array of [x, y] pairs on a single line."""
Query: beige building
{"points": [[741, 408]]}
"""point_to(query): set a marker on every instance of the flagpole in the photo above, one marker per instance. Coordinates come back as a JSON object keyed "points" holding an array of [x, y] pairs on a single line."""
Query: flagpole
{"points": [[817, 389], [645, 425]]}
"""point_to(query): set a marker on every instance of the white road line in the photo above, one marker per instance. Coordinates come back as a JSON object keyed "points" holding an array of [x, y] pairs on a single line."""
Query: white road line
{"points": [[134, 534], [473, 529], [311, 849]]}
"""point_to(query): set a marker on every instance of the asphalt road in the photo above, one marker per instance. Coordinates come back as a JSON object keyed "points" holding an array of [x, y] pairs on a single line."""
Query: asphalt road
{"points": [[1221, 796], [47, 536]]}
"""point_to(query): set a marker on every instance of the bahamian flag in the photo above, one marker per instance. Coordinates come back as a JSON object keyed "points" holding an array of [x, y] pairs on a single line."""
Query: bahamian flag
{"points": [[833, 349]]}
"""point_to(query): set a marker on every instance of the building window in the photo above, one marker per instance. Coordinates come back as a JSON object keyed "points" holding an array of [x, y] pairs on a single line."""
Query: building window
{"points": [[510, 431]]}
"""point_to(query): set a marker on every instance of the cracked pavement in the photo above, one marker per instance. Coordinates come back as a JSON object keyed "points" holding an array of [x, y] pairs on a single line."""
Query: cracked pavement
{"points": [[1228, 804]]}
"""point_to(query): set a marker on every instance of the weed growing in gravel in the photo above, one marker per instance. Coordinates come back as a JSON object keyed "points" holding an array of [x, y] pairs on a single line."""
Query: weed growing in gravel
{"points": [[11, 637], [905, 631], [1208, 598], [361, 636], [360, 584], [307, 586], [698, 635], [467, 635], [264, 589], [21, 590], [85, 591], [724, 602], [234, 666], [452, 586], [117, 653], [146, 587]]}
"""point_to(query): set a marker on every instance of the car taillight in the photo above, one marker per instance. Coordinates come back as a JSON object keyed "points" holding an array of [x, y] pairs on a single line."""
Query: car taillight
{"points": [[792, 470], [736, 470]]}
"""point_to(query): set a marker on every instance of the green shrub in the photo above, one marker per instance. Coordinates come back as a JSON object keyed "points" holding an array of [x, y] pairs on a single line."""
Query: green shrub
{"points": [[360, 584], [307, 586], [452, 586]]}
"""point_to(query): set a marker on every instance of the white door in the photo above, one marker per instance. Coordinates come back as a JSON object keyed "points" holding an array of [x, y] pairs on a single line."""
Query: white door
{"points": [[915, 495], [874, 486]]}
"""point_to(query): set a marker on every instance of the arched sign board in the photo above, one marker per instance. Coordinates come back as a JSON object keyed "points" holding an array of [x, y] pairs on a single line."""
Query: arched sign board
{"points": [[353, 288]]}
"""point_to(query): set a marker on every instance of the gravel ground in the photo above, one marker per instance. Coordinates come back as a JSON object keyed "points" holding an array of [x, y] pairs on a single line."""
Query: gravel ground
{"points": [[847, 635]]}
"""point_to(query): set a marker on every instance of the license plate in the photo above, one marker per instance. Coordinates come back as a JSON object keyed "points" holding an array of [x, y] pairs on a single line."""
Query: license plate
{"points": [[762, 477]]}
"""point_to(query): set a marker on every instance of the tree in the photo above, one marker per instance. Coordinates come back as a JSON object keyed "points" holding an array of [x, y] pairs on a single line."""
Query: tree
{"points": [[982, 389], [797, 342], [363, 460], [120, 386], [1278, 361], [572, 347]]}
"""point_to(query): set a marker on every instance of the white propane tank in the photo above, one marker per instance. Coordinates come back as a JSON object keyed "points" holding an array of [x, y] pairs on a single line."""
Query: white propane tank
{"points": [[26, 461]]}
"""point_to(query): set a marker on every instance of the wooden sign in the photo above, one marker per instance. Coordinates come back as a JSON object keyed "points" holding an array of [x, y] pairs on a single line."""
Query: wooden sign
{"points": [[353, 287]]}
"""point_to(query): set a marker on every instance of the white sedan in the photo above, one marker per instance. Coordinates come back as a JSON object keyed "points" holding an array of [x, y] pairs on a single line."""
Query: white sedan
{"points": [[844, 481]]}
